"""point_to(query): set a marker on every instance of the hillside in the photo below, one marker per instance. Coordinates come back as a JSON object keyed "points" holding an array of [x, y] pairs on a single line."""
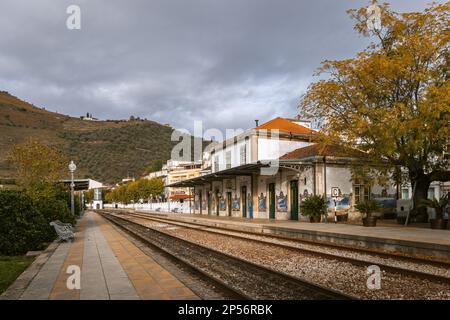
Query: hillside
{"points": [[103, 150]]}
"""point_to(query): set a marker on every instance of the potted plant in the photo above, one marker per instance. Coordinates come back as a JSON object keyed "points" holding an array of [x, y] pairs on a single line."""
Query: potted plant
{"points": [[439, 207], [313, 207], [367, 207]]}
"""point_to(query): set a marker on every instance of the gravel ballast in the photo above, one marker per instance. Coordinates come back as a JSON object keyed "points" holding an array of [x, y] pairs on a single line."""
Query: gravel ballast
{"points": [[333, 273]]}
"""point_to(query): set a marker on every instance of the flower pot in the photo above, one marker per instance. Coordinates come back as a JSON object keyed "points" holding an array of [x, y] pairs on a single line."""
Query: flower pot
{"points": [[370, 222], [314, 219], [440, 224]]}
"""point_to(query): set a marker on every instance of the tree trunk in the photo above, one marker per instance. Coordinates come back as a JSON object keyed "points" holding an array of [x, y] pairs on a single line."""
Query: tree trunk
{"points": [[420, 192]]}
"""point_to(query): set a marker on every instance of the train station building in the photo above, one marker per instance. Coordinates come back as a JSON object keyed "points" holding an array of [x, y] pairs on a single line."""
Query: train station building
{"points": [[267, 171]]}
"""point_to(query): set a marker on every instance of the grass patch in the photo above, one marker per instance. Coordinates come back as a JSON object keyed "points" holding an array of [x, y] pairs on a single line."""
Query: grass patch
{"points": [[11, 268]]}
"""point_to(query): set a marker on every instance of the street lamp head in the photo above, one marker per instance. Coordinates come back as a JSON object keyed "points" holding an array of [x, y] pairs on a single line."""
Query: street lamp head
{"points": [[72, 166]]}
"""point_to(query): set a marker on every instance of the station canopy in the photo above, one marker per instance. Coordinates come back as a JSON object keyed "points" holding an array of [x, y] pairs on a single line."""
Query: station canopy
{"points": [[243, 170], [83, 184]]}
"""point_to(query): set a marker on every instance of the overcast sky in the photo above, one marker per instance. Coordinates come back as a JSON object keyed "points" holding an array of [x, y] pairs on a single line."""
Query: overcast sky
{"points": [[225, 62]]}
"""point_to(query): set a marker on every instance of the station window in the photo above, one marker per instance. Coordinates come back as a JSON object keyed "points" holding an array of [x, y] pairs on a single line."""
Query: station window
{"points": [[228, 159], [216, 163], [362, 192], [431, 194], [405, 193], [243, 154]]}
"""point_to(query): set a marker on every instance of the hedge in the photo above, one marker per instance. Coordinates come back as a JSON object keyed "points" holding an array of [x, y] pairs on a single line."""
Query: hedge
{"points": [[22, 226], [24, 223]]}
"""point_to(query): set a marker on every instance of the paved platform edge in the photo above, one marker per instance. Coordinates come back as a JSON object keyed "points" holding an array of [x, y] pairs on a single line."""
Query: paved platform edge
{"points": [[19, 286], [414, 249]]}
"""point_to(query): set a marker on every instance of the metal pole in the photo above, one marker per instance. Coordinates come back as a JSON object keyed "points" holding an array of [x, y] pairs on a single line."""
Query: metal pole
{"points": [[190, 201], [72, 198], [335, 216]]}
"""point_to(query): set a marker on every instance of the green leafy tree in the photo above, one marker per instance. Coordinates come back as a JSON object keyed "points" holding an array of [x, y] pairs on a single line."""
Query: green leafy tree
{"points": [[136, 190], [132, 192], [106, 195], [393, 99], [150, 187], [89, 196], [120, 194], [155, 165]]}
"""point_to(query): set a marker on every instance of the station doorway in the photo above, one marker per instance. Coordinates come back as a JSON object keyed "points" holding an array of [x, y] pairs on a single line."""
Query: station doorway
{"points": [[272, 201], [229, 204], [244, 201], [294, 200], [217, 203], [208, 202]]}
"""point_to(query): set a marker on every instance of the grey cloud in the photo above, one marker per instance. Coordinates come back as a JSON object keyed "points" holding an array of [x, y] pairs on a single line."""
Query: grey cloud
{"points": [[174, 61]]}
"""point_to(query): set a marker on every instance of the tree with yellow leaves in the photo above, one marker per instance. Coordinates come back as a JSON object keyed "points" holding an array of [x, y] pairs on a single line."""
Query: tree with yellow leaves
{"points": [[136, 190], [37, 165], [393, 99]]}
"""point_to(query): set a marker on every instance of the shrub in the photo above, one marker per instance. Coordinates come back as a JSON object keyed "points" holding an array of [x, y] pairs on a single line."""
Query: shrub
{"points": [[53, 201], [22, 226], [313, 206], [367, 207], [52, 210], [438, 205]]}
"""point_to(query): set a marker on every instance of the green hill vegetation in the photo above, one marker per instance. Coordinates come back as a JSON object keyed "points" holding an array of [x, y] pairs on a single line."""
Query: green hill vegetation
{"points": [[103, 150]]}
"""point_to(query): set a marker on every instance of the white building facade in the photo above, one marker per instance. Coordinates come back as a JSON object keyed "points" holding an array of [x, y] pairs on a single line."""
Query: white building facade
{"points": [[266, 172]]}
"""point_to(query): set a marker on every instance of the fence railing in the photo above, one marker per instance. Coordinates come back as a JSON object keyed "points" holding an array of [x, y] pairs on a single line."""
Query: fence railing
{"points": [[174, 207]]}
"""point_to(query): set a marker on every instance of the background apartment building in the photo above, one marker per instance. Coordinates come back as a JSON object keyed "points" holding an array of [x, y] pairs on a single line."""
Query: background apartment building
{"points": [[176, 171]]}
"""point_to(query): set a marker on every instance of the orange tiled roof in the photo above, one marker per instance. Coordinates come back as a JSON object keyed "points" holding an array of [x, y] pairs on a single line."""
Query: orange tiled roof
{"points": [[286, 126], [317, 150]]}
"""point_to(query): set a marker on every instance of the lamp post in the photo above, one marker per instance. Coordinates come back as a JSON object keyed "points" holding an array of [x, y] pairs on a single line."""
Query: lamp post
{"points": [[72, 168]]}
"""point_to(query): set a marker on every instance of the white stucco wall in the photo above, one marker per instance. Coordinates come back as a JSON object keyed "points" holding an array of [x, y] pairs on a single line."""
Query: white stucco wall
{"points": [[269, 149], [235, 150], [339, 177]]}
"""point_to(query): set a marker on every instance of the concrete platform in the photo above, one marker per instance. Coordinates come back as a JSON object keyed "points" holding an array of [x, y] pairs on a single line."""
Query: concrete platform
{"points": [[417, 242], [112, 268]]}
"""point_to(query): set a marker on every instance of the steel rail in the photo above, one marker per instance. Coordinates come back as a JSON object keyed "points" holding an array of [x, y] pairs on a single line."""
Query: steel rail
{"points": [[248, 279], [361, 262]]}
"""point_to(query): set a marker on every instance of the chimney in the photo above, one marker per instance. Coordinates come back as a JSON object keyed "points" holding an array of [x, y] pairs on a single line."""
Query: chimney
{"points": [[257, 122]]}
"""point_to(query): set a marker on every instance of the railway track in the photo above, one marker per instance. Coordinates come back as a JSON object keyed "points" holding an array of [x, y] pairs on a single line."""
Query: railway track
{"points": [[297, 240], [248, 280], [360, 262]]}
